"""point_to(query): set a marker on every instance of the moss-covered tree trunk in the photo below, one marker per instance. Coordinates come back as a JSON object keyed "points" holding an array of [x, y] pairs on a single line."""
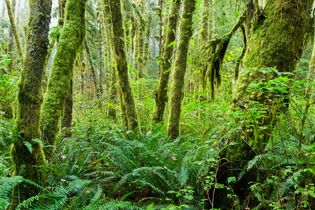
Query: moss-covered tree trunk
{"points": [[29, 162], [276, 43], [71, 38], [122, 65], [13, 29], [92, 66], [166, 63], [185, 33]]}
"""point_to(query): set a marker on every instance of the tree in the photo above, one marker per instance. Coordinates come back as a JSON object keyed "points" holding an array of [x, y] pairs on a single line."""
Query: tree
{"points": [[274, 49], [185, 33], [122, 65], [166, 63], [70, 41], [13, 26], [27, 153]]}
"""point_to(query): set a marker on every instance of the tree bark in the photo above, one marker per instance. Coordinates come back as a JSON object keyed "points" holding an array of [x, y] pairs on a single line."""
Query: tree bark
{"points": [[122, 65], [274, 45], [166, 63], [29, 162], [92, 67], [13, 27], [71, 38], [185, 33]]}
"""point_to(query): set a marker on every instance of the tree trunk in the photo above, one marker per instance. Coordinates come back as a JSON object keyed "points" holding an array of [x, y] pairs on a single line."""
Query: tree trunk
{"points": [[274, 43], [11, 38], [71, 38], [13, 27], [185, 33], [122, 65], [92, 67], [29, 162], [166, 63]]}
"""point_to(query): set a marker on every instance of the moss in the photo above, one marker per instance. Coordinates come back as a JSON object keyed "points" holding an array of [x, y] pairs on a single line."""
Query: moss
{"points": [[276, 41], [161, 97], [185, 33], [13, 28], [71, 38], [127, 102], [31, 165]]}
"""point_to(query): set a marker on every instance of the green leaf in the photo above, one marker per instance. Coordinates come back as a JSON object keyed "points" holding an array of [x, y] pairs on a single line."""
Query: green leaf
{"points": [[28, 145]]}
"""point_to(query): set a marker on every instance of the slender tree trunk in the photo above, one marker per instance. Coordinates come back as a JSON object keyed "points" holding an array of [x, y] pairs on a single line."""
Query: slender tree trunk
{"points": [[166, 63], [30, 163], [185, 33], [122, 66], [92, 67], [308, 95], [147, 41], [11, 38], [13, 27], [102, 53], [70, 42], [205, 36], [160, 14]]}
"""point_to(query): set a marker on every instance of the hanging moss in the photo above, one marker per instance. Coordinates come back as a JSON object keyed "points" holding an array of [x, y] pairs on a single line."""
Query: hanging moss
{"points": [[71, 38], [29, 161], [185, 33]]}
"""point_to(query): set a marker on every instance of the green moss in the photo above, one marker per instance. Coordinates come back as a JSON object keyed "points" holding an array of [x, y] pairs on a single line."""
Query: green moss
{"points": [[70, 41], [276, 44], [31, 164], [165, 66], [185, 33], [127, 102]]}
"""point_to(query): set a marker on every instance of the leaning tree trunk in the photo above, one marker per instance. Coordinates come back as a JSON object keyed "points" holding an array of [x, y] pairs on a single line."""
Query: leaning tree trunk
{"points": [[71, 38], [166, 63], [185, 33], [13, 27], [276, 43], [122, 65], [29, 162]]}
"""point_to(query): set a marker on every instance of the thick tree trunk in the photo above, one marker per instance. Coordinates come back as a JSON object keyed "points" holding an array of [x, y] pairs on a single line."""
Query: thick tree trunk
{"points": [[71, 38], [185, 33], [166, 63], [274, 43], [122, 65], [30, 163]]}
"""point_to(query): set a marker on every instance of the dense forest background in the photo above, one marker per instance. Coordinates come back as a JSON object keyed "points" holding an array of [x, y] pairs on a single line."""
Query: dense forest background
{"points": [[157, 104]]}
